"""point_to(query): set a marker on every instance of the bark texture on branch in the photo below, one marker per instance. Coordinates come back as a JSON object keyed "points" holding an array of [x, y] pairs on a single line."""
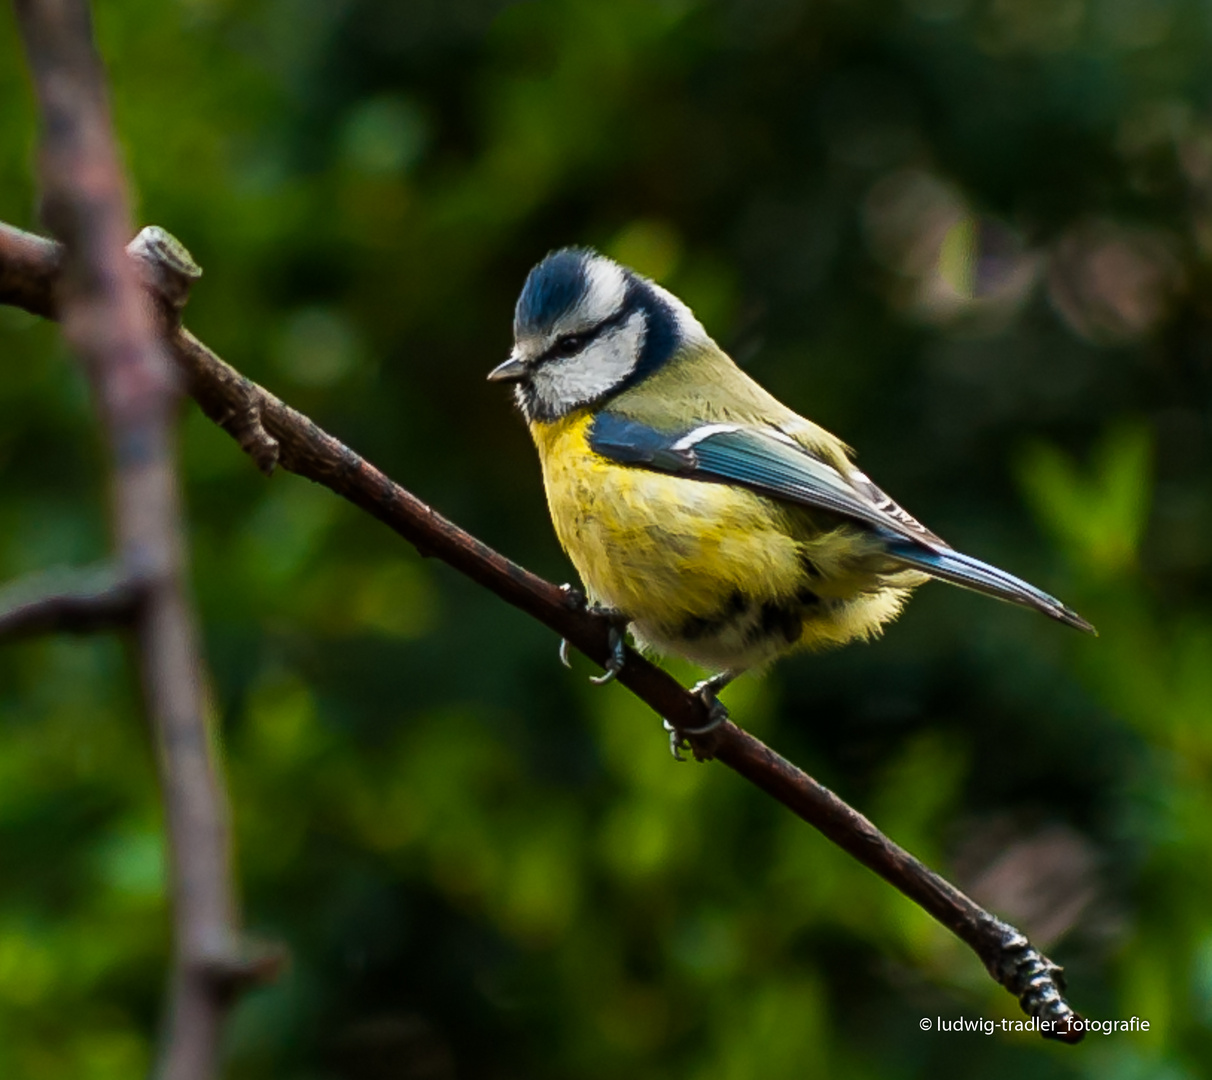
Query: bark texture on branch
{"points": [[275, 434]]}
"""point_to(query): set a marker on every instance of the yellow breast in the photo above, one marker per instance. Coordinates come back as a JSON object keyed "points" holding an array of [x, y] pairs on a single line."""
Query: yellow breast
{"points": [[662, 549], [713, 572]]}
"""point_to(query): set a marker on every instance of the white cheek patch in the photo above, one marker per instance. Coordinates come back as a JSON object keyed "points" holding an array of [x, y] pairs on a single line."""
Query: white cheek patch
{"points": [[597, 369]]}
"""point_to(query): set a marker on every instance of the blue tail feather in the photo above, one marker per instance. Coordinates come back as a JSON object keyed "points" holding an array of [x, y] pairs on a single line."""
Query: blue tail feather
{"points": [[970, 573]]}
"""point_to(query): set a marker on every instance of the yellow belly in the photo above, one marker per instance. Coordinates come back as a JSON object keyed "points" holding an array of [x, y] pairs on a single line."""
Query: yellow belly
{"points": [[678, 556]]}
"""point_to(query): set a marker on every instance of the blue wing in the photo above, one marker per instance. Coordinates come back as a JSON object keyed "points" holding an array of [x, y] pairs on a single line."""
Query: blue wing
{"points": [[771, 463], [762, 459]]}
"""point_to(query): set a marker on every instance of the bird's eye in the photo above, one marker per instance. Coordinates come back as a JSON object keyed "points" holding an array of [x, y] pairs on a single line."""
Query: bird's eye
{"points": [[569, 344]]}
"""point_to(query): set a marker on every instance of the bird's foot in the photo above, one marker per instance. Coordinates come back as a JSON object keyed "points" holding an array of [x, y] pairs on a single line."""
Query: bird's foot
{"points": [[717, 713], [578, 601], [618, 626], [574, 597], [709, 688], [618, 647]]}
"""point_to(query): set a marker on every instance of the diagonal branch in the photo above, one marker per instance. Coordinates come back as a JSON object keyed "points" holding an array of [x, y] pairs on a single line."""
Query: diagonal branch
{"points": [[108, 321], [273, 433]]}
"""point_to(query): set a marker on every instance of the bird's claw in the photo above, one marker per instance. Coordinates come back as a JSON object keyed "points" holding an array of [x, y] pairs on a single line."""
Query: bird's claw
{"points": [[677, 741], [618, 624], [616, 660], [717, 713]]}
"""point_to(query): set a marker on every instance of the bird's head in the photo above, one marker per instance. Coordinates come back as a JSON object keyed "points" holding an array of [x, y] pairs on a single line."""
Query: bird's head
{"points": [[586, 328]]}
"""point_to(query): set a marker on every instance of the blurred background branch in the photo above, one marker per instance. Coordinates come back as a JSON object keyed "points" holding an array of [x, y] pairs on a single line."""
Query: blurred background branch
{"points": [[108, 323], [84, 603]]}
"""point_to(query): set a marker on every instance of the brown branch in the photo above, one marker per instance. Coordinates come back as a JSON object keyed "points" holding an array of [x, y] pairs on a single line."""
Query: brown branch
{"points": [[109, 323], [273, 433], [29, 269], [1007, 954], [68, 604]]}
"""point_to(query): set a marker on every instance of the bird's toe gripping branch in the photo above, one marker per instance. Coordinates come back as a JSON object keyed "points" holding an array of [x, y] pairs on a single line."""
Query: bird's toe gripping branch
{"points": [[717, 713], [617, 644], [618, 647]]}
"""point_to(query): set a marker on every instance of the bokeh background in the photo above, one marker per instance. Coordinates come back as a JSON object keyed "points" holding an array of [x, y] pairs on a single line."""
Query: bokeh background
{"points": [[973, 237]]}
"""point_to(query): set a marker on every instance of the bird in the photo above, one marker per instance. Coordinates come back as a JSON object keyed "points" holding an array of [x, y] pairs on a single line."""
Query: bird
{"points": [[702, 514]]}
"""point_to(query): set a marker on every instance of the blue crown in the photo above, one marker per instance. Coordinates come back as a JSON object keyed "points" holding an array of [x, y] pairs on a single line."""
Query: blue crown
{"points": [[552, 289]]}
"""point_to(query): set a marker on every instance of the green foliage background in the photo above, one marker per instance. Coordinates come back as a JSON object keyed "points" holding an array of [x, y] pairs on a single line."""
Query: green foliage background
{"points": [[973, 237]]}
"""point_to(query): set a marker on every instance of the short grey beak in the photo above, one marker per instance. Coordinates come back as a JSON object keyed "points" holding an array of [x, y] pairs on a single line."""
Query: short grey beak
{"points": [[512, 370]]}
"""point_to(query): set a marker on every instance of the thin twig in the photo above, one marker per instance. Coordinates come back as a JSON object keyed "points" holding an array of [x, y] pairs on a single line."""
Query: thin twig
{"points": [[108, 321], [274, 433], [71, 603]]}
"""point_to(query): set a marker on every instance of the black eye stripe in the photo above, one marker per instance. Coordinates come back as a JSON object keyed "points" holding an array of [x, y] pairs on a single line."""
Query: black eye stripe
{"points": [[570, 344]]}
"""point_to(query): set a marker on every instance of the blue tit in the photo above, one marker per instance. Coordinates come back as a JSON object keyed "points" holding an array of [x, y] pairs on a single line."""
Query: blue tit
{"points": [[717, 523]]}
